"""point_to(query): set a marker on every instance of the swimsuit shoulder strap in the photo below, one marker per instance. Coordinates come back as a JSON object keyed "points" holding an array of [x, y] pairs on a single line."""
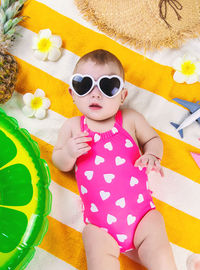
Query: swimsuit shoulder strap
{"points": [[118, 118], [82, 123]]}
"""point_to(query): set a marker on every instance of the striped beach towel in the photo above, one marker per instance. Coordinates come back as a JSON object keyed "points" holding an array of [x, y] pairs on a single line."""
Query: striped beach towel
{"points": [[151, 91]]}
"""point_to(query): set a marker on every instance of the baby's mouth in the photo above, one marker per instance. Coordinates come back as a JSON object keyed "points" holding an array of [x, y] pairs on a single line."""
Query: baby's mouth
{"points": [[95, 106]]}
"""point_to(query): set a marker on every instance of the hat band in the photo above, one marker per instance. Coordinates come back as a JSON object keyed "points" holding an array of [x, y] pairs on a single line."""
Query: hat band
{"points": [[176, 5]]}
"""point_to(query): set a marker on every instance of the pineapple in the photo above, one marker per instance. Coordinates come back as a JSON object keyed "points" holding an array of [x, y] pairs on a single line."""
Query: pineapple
{"points": [[9, 10]]}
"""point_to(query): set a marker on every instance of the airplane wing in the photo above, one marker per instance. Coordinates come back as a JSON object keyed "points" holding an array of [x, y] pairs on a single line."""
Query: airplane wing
{"points": [[191, 106]]}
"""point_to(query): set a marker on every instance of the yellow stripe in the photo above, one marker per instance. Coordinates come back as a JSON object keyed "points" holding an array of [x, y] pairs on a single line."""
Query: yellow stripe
{"points": [[66, 244], [78, 39], [182, 228], [177, 157], [30, 78]]}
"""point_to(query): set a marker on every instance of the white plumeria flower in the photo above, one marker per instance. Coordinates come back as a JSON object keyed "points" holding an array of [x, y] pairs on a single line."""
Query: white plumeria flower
{"points": [[47, 46], [36, 104], [187, 69]]}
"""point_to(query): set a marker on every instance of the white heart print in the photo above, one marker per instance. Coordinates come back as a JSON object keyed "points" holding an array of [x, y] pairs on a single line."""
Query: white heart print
{"points": [[108, 146], [108, 177], [114, 130], [87, 220], [104, 195], [128, 143], [98, 160], [140, 198], [130, 219], [97, 137], [134, 181], [93, 208], [119, 161], [89, 174], [111, 219], [83, 190], [152, 205], [121, 202], [122, 237]]}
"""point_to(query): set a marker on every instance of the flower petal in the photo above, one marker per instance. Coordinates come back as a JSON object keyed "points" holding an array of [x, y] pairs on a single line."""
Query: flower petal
{"points": [[39, 55], [188, 57], [197, 71], [54, 54], [39, 93], [28, 111], [192, 79], [179, 77], [177, 63], [46, 103], [56, 41], [35, 42], [45, 33], [27, 98], [40, 114]]}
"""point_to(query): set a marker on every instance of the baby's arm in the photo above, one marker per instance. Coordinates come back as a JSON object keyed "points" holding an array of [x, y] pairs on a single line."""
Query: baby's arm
{"points": [[69, 146], [151, 145]]}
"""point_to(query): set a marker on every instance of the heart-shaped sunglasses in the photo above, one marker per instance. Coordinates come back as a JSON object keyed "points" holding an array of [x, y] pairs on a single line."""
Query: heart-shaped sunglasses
{"points": [[110, 86]]}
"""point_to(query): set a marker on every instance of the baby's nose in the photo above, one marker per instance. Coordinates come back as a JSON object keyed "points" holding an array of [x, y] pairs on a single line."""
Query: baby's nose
{"points": [[96, 92]]}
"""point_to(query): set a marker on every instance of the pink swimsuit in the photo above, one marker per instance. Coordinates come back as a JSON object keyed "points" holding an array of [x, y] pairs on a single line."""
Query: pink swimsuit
{"points": [[114, 193]]}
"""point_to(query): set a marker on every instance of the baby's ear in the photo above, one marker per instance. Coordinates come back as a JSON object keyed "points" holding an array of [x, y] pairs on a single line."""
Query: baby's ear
{"points": [[124, 93]]}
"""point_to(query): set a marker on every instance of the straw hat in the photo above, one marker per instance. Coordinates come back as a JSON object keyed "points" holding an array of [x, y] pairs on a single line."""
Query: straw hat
{"points": [[145, 23]]}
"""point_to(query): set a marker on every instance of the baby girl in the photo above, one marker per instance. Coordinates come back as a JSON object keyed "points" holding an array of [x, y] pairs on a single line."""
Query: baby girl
{"points": [[113, 150]]}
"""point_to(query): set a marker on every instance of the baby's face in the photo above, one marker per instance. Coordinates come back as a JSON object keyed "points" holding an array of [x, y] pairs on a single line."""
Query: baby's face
{"points": [[95, 105]]}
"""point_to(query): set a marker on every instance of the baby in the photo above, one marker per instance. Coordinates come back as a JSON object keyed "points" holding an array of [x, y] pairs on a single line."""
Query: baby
{"points": [[111, 172]]}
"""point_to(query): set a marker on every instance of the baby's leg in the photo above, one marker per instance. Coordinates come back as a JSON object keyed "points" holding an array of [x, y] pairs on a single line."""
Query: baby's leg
{"points": [[152, 243], [102, 251]]}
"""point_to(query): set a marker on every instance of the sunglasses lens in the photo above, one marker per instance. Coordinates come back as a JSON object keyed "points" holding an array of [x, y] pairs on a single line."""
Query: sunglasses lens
{"points": [[110, 87], [81, 84]]}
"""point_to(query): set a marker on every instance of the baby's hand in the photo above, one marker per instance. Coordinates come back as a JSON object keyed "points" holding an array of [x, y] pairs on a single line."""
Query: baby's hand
{"points": [[150, 162], [77, 145]]}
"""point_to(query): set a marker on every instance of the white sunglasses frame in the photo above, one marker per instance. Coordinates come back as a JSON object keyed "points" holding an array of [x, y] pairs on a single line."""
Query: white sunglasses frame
{"points": [[96, 83]]}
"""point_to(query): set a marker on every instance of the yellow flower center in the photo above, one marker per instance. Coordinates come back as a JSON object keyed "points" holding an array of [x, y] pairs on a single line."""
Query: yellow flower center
{"points": [[44, 45], [188, 68], [36, 103]]}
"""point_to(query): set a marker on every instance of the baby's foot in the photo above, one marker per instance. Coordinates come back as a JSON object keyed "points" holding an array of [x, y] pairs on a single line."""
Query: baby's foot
{"points": [[193, 262]]}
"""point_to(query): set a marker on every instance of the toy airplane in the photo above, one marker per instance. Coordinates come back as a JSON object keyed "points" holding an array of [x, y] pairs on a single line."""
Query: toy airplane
{"points": [[194, 109]]}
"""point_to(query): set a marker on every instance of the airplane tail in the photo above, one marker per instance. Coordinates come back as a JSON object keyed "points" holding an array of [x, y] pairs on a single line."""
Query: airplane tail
{"points": [[176, 126]]}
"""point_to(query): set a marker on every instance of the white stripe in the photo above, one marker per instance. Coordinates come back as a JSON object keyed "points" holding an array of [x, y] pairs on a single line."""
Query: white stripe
{"points": [[177, 191], [61, 69], [66, 207], [159, 111], [165, 56], [44, 260], [46, 129]]}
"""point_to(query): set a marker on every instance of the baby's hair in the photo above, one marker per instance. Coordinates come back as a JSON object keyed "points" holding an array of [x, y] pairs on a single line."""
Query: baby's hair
{"points": [[101, 57]]}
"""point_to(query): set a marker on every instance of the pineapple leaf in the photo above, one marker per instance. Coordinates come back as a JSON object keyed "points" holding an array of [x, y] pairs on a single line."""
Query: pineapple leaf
{"points": [[16, 20], [11, 33], [5, 4], [7, 26], [2, 17], [10, 13]]}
